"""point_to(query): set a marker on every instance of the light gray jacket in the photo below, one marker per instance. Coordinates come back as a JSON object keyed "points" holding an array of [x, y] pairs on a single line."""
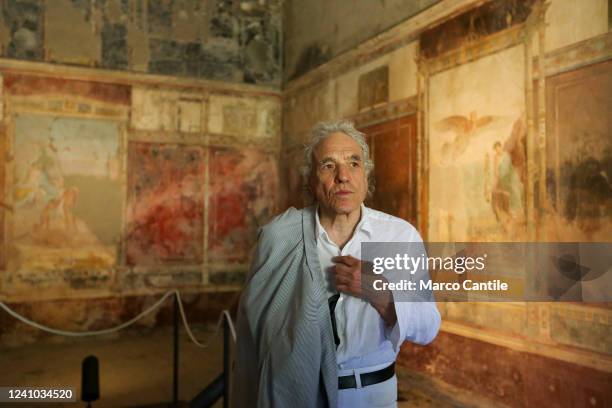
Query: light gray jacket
{"points": [[285, 352]]}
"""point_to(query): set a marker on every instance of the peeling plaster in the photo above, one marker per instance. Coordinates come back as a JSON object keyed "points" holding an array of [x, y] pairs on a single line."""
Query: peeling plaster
{"points": [[60, 36]]}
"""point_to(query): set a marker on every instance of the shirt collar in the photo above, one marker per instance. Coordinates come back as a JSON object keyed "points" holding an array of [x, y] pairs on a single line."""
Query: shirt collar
{"points": [[364, 224]]}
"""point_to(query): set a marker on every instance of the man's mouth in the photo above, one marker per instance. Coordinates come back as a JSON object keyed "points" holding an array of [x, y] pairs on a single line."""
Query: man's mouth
{"points": [[343, 192]]}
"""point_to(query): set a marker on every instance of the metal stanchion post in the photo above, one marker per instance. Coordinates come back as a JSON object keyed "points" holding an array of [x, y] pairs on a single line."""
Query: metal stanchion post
{"points": [[226, 365], [176, 353]]}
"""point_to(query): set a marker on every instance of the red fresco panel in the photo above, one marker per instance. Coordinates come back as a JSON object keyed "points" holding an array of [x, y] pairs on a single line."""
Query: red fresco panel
{"points": [[243, 195], [35, 85], [165, 204]]}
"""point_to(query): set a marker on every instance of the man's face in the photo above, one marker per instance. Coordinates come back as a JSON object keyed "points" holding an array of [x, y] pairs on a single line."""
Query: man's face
{"points": [[338, 179]]}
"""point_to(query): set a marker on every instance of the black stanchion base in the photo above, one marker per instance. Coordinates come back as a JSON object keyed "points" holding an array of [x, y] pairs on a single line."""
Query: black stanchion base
{"points": [[210, 394]]}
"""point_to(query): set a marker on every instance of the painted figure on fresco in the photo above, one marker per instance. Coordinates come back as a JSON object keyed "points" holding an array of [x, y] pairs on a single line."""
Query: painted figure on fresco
{"points": [[470, 107], [505, 191], [309, 318], [66, 193], [465, 129], [42, 190]]}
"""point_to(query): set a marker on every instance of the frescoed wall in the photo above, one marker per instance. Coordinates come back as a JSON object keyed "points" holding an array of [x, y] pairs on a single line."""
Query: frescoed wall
{"points": [[63, 166], [129, 189], [64, 172], [391, 143], [476, 124], [243, 188], [165, 204], [119, 185], [512, 107], [208, 39], [579, 154]]}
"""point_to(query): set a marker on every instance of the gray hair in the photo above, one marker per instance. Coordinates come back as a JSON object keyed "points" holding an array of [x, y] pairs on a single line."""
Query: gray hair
{"points": [[323, 130]]}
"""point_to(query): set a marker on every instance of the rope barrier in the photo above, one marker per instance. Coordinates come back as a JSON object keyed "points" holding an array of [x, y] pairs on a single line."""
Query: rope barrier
{"points": [[188, 329], [224, 313]]}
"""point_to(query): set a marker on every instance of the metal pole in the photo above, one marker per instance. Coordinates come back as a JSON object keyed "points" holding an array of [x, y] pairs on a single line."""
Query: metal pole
{"points": [[226, 365], [176, 353]]}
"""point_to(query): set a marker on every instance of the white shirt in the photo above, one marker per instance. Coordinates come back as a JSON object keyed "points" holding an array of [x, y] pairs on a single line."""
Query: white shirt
{"points": [[365, 339]]}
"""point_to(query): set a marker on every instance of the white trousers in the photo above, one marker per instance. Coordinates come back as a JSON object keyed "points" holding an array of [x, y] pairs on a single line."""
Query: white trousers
{"points": [[381, 395]]}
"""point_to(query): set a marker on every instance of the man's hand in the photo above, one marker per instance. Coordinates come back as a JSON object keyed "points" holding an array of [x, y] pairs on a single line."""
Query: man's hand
{"points": [[353, 277], [347, 275]]}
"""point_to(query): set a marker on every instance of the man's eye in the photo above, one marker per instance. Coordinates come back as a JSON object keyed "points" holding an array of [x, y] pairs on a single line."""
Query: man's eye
{"points": [[355, 164], [327, 166]]}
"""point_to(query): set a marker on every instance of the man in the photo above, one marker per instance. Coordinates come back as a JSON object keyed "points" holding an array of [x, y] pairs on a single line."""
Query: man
{"points": [[309, 333]]}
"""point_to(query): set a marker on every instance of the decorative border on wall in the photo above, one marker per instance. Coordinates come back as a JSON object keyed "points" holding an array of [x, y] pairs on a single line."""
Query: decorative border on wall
{"points": [[20, 67], [571, 57], [471, 52], [507, 376], [386, 112], [564, 353], [530, 331]]}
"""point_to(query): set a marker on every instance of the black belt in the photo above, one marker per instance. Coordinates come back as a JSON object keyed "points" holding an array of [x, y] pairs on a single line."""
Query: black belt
{"points": [[372, 378]]}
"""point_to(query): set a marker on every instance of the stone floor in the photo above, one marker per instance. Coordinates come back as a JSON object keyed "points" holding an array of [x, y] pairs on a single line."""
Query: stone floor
{"points": [[136, 370]]}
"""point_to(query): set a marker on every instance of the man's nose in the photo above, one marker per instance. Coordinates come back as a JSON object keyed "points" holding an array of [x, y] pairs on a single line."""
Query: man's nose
{"points": [[342, 175]]}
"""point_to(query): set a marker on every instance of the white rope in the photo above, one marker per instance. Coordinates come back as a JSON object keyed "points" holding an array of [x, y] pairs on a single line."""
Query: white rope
{"points": [[39, 326], [85, 333], [188, 329]]}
